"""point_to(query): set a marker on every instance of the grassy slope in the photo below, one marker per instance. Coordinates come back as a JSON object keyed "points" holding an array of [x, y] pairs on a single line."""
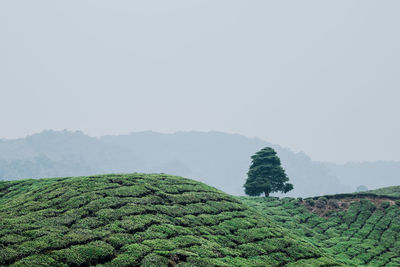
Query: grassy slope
{"points": [[357, 230], [393, 191], [148, 220]]}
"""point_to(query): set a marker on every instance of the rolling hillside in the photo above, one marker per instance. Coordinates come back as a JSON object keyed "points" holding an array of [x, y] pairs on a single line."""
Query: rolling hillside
{"points": [[137, 219], [393, 191], [357, 229]]}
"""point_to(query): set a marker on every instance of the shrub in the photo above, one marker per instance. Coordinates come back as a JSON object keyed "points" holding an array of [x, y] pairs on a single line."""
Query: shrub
{"points": [[85, 254], [310, 202], [153, 259], [37, 260], [320, 203], [385, 204], [344, 205], [333, 203]]}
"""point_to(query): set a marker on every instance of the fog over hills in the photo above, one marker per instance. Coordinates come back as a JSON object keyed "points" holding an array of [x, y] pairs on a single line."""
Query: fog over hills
{"points": [[372, 174], [215, 158]]}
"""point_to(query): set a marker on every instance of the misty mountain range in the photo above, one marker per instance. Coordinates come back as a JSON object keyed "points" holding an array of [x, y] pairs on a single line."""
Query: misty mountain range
{"points": [[215, 158]]}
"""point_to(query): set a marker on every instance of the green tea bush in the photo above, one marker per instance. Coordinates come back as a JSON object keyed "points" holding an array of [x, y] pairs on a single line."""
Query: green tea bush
{"points": [[321, 202], [385, 204], [310, 202], [333, 203]]}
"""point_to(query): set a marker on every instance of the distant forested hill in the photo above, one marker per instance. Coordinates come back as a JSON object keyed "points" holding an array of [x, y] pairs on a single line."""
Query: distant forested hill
{"points": [[218, 159]]}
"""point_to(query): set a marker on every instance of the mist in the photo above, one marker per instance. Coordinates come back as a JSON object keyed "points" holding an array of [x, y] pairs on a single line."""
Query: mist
{"points": [[318, 77]]}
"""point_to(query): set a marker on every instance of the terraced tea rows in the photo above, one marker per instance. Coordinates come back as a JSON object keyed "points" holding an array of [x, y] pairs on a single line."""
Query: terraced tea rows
{"points": [[366, 232], [147, 220]]}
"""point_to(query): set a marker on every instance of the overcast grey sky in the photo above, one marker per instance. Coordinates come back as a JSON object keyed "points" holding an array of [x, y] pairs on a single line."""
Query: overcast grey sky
{"points": [[322, 77]]}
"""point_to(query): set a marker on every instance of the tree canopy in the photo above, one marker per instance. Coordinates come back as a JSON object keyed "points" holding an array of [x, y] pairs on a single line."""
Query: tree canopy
{"points": [[266, 174]]}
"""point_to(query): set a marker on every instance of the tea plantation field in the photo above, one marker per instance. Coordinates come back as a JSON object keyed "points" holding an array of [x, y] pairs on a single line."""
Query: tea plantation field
{"points": [[161, 220], [357, 229], [393, 191]]}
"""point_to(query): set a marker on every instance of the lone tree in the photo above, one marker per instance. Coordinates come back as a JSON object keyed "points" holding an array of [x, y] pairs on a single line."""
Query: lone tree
{"points": [[266, 174]]}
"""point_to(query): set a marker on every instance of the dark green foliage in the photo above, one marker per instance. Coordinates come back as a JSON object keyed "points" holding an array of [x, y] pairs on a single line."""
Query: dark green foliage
{"points": [[385, 205], [266, 174], [140, 220], [89, 253], [363, 235], [310, 202], [321, 202]]}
